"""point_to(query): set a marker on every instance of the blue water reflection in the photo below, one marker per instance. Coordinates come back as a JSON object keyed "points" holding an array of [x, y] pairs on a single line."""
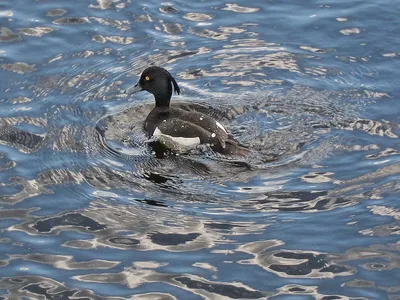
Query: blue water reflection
{"points": [[89, 212]]}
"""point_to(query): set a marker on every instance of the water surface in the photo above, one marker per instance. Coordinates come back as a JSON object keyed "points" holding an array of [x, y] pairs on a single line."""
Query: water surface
{"points": [[89, 212]]}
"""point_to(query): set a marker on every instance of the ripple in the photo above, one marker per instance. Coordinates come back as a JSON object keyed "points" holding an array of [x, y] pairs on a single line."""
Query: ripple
{"points": [[392, 54], [378, 257], [68, 220], [6, 165], [172, 239], [143, 18], [294, 263], [312, 49], [43, 287], [155, 296], [172, 28], [6, 13], [113, 39], [23, 140], [197, 17], [208, 33], [6, 35], [125, 128], [240, 64], [122, 25], [36, 31], [71, 21], [19, 100], [231, 30], [240, 9], [291, 290], [350, 31], [383, 153], [228, 290], [375, 94], [103, 4], [65, 82], [187, 234], [56, 12], [125, 242], [373, 127], [319, 71], [66, 262], [169, 9], [18, 67], [318, 177], [134, 278], [206, 266]]}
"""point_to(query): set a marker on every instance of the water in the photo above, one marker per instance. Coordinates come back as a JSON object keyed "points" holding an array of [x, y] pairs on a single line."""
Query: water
{"points": [[311, 87]]}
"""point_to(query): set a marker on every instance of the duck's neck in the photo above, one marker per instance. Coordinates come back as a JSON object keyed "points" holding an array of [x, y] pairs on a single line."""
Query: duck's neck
{"points": [[163, 95], [162, 100]]}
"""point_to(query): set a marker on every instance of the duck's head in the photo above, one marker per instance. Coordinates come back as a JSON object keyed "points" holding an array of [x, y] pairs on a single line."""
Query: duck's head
{"points": [[158, 82]]}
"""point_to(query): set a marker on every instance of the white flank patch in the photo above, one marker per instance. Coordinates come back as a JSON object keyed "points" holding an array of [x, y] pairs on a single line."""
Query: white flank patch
{"points": [[157, 132], [220, 126], [181, 141]]}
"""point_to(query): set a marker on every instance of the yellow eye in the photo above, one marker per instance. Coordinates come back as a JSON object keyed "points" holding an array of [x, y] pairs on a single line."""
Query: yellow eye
{"points": [[147, 78]]}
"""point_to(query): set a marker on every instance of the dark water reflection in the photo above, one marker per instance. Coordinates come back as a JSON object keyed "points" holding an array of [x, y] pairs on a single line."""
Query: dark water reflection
{"points": [[89, 212]]}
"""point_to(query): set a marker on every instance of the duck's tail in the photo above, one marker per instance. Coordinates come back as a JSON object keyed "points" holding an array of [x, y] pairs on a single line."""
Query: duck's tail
{"points": [[233, 148]]}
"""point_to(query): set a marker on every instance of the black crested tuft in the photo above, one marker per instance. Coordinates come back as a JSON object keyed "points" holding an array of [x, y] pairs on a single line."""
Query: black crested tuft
{"points": [[176, 87]]}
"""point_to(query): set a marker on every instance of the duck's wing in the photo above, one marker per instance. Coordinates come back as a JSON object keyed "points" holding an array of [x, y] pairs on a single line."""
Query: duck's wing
{"points": [[188, 134], [204, 121]]}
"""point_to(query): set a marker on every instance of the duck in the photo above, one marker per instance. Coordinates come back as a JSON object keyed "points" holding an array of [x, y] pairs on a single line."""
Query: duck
{"points": [[176, 129]]}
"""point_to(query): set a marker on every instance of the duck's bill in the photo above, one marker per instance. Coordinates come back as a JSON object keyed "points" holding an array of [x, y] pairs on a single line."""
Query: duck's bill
{"points": [[133, 89]]}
